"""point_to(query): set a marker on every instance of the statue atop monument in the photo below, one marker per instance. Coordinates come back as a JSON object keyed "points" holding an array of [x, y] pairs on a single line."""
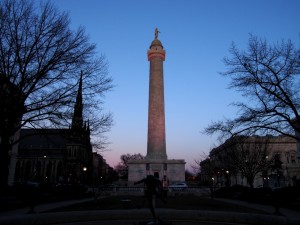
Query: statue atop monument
{"points": [[156, 33]]}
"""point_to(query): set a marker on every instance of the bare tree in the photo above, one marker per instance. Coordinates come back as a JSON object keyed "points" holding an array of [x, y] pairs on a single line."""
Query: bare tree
{"points": [[41, 59], [196, 166], [122, 167], [207, 169], [248, 156], [268, 76]]}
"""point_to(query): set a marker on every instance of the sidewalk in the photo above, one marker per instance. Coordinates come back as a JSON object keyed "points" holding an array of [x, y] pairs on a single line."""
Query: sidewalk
{"points": [[266, 208], [43, 207], [141, 216], [135, 216]]}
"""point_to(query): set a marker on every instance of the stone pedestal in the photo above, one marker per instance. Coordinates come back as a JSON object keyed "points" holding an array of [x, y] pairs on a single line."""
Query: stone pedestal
{"points": [[173, 169]]}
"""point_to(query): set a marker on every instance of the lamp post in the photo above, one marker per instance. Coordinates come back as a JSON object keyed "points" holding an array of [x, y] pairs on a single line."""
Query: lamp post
{"points": [[39, 171], [227, 178], [84, 169], [212, 187]]}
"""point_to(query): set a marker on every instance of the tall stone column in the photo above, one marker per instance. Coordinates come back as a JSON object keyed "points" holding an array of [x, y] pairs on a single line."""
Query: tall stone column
{"points": [[156, 161], [156, 145]]}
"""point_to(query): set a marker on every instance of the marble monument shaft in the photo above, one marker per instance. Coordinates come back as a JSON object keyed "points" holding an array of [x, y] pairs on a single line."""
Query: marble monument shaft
{"points": [[156, 145]]}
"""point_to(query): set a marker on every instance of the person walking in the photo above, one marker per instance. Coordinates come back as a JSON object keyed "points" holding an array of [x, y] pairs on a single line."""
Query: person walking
{"points": [[153, 189]]}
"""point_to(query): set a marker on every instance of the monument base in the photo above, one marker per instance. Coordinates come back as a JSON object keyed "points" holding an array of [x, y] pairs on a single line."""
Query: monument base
{"points": [[173, 169]]}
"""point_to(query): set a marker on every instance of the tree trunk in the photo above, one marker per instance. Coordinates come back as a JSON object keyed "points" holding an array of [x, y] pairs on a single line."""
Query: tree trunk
{"points": [[4, 161], [250, 181]]}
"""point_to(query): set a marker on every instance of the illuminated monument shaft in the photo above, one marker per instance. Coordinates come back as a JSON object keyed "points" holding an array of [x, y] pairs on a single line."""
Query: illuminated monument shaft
{"points": [[156, 160], [156, 146]]}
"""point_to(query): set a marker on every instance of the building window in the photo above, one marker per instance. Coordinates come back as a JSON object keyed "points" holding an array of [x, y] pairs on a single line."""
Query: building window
{"points": [[293, 159], [287, 154]]}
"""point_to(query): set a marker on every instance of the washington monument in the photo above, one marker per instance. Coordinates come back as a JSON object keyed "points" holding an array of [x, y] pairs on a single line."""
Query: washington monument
{"points": [[156, 147], [156, 161]]}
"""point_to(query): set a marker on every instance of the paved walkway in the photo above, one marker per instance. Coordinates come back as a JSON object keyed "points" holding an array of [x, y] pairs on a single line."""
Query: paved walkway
{"points": [[266, 208], [43, 207], [141, 216]]}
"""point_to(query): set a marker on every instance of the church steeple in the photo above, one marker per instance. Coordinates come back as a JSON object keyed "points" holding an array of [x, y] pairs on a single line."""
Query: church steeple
{"points": [[77, 120]]}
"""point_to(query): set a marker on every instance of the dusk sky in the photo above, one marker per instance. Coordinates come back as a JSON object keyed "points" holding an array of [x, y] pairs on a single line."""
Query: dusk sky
{"points": [[196, 35]]}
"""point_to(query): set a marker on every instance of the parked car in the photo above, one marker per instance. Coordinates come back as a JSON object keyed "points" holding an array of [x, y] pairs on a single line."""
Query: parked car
{"points": [[178, 186], [109, 187]]}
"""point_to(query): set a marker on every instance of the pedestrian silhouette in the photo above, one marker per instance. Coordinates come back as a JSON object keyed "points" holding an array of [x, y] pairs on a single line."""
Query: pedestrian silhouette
{"points": [[153, 189], [165, 185]]}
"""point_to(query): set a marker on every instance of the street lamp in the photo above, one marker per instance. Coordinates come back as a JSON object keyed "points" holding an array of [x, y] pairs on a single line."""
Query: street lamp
{"points": [[227, 178], [84, 169], [212, 187]]}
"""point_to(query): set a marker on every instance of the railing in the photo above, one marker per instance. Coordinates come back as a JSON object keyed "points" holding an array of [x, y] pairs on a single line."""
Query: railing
{"points": [[140, 190]]}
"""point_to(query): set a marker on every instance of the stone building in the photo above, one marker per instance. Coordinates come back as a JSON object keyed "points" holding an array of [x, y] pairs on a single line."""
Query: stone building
{"points": [[156, 160], [102, 172], [281, 162]]}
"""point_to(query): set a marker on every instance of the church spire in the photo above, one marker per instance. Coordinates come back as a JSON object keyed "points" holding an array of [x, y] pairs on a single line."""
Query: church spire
{"points": [[77, 120]]}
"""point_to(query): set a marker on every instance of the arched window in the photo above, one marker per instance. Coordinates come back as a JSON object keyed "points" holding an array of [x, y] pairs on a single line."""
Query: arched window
{"points": [[38, 171], [287, 155], [293, 157], [27, 173], [48, 172], [59, 173], [18, 171]]}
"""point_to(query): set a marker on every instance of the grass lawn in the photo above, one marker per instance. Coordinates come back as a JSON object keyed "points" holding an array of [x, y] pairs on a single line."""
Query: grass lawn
{"points": [[184, 202]]}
